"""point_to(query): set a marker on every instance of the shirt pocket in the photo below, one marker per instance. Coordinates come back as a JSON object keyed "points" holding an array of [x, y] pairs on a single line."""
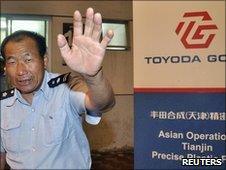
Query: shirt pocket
{"points": [[10, 135], [56, 128]]}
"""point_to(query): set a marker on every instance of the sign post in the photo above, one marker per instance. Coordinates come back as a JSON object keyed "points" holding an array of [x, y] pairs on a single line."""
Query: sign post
{"points": [[179, 84]]}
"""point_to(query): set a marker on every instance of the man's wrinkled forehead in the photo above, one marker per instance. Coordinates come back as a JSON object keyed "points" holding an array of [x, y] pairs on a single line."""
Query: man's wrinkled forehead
{"points": [[23, 45], [19, 39]]}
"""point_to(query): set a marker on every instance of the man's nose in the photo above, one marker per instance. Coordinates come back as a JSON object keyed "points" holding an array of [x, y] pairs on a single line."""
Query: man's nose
{"points": [[21, 68]]}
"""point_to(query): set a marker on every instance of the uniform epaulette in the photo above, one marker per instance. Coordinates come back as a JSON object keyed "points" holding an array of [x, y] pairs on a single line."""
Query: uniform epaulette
{"points": [[7, 94], [59, 80]]}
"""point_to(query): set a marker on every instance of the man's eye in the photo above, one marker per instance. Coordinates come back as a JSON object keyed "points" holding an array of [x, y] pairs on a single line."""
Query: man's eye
{"points": [[11, 62], [28, 60]]}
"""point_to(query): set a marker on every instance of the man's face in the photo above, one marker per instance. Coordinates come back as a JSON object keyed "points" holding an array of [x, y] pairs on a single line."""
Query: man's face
{"points": [[24, 66]]}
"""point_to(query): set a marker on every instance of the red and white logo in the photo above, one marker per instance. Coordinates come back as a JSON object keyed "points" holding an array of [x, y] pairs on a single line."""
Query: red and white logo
{"points": [[197, 30]]}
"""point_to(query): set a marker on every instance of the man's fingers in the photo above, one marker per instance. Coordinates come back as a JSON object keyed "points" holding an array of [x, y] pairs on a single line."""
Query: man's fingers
{"points": [[97, 27], [63, 45], [89, 22], [107, 38], [77, 22]]}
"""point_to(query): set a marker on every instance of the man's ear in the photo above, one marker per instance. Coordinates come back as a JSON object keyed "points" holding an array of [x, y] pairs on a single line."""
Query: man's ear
{"points": [[46, 61], [4, 70]]}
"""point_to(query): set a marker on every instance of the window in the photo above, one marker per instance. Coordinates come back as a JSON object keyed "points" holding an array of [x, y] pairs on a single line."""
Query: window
{"points": [[120, 40], [10, 24], [3, 28]]}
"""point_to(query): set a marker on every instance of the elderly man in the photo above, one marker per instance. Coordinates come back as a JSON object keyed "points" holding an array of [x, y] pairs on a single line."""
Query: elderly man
{"points": [[41, 117]]}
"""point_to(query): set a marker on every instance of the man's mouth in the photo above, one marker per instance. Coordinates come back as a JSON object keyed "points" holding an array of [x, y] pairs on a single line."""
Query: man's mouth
{"points": [[24, 82]]}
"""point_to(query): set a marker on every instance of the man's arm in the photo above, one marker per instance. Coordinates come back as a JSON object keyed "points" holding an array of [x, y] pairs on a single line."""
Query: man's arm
{"points": [[86, 56], [100, 96], [3, 160]]}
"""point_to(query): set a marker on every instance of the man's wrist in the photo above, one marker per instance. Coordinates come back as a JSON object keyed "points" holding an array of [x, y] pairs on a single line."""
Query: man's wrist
{"points": [[100, 69], [96, 77]]}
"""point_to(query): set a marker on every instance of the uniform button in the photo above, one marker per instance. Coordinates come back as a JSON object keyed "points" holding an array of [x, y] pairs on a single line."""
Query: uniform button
{"points": [[32, 109], [33, 129], [33, 149]]}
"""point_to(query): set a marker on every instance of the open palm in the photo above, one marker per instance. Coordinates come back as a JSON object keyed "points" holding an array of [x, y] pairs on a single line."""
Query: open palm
{"points": [[87, 53]]}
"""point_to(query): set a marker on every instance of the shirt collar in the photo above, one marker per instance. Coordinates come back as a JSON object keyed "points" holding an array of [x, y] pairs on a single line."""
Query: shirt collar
{"points": [[11, 101], [44, 87]]}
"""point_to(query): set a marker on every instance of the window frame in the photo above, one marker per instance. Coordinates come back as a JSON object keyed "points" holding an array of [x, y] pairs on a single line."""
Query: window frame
{"points": [[10, 17], [126, 23]]}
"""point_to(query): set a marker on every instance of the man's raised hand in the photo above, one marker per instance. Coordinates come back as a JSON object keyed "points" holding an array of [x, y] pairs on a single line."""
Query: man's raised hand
{"points": [[87, 52]]}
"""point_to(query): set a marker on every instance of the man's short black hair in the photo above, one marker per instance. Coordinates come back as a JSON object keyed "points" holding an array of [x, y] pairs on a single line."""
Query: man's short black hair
{"points": [[22, 35]]}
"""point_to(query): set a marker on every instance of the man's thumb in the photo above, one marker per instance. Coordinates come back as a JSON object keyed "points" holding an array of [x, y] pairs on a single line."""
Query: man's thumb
{"points": [[63, 45]]}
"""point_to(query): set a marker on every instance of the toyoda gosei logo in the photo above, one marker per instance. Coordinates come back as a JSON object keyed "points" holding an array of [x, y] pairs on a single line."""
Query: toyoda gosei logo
{"points": [[195, 33]]}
